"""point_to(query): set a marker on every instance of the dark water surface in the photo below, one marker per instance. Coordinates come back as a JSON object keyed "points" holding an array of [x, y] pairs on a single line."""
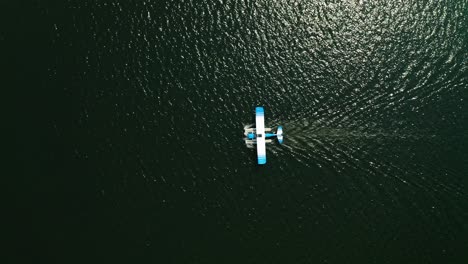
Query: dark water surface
{"points": [[139, 154]]}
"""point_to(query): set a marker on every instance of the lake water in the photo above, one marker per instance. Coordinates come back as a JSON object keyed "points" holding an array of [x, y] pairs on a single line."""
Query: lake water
{"points": [[140, 156]]}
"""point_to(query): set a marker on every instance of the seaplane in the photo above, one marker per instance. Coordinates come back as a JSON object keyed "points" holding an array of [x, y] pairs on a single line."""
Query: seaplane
{"points": [[259, 136]]}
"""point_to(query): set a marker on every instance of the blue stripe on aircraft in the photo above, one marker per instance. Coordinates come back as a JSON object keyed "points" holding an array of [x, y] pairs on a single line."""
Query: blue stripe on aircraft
{"points": [[261, 159], [259, 111]]}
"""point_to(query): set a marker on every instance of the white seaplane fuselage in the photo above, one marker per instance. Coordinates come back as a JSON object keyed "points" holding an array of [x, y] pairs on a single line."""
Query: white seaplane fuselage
{"points": [[259, 136]]}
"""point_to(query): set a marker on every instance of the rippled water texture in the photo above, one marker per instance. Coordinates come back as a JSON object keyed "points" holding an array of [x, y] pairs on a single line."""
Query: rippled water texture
{"points": [[372, 95]]}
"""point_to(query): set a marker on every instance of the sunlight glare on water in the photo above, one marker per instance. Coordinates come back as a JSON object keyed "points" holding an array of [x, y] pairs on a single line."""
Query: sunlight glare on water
{"points": [[372, 96]]}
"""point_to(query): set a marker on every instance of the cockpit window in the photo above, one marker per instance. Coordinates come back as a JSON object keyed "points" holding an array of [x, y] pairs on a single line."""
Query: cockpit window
{"points": [[259, 135]]}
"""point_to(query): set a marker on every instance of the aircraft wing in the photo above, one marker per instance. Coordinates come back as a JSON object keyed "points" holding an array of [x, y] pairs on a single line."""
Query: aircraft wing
{"points": [[260, 130]]}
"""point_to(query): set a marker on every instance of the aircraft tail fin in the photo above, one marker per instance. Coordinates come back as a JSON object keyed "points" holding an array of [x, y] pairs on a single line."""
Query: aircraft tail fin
{"points": [[279, 134]]}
